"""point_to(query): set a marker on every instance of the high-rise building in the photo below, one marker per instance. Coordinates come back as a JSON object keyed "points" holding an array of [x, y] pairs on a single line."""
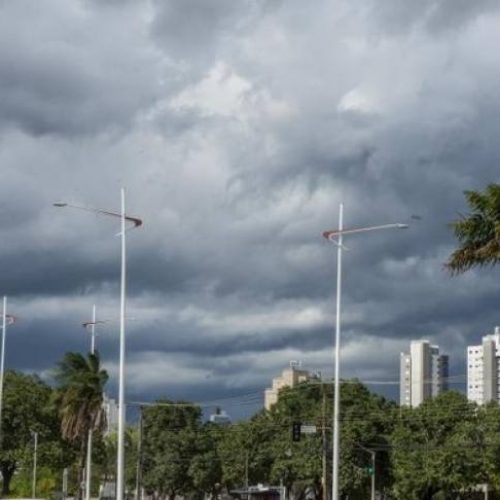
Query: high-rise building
{"points": [[423, 373], [290, 377], [111, 410], [483, 369]]}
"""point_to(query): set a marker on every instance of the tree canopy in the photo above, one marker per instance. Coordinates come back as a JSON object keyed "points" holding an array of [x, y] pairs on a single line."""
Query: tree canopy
{"points": [[79, 399], [478, 232], [27, 408]]}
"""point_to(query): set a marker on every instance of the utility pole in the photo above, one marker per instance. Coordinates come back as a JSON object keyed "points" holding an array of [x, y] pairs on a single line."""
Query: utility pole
{"points": [[7, 319], [373, 455], [2, 359], [65, 483], [138, 477], [88, 470], [246, 470], [35, 434], [324, 444]]}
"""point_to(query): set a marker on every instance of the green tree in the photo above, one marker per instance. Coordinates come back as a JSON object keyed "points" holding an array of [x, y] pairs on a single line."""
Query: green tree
{"points": [[79, 399], [489, 421], [478, 232], [438, 447], [205, 469], [245, 452], [169, 443], [296, 464], [104, 458], [365, 424], [26, 409], [233, 444]]}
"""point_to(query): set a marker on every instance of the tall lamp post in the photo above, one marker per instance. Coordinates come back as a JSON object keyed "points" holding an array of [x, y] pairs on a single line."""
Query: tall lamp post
{"points": [[336, 236], [120, 470], [7, 319], [35, 450], [91, 326]]}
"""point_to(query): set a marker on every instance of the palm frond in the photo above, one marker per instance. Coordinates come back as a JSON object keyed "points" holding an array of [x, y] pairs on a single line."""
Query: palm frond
{"points": [[80, 395], [478, 233]]}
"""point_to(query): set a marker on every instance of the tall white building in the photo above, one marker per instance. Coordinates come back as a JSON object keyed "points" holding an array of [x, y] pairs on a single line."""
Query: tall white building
{"points": [[423, 373], [290, 377], [111, 410], [483, 369]]}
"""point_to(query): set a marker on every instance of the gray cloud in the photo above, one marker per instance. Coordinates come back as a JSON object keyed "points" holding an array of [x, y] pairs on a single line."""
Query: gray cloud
{"points": [[51, 85], [190, 29], [435, 16], [237, 128]]}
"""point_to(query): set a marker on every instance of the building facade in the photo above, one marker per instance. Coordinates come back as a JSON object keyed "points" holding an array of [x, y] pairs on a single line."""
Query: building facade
{"points": [[483, 369], [290, 377], [423, 373], [111, 410]]}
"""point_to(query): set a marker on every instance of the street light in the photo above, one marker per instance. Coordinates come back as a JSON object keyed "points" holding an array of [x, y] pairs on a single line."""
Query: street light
{"points": [[331, 236], [7, 319], [90, 325], [121, 390]]}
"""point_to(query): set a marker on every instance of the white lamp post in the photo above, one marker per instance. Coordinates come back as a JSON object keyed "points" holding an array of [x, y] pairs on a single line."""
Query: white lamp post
{"points": [[91, 325], [7, 319], [120, 472], [331, 236], [35, 450]]}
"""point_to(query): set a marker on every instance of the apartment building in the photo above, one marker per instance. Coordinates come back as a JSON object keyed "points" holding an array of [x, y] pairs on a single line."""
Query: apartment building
{"points": [[483, 369], [423, 373]]}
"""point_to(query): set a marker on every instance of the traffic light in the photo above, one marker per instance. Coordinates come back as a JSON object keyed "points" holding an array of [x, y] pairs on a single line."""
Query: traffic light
{"points": [[370, 470], [296, 431]]}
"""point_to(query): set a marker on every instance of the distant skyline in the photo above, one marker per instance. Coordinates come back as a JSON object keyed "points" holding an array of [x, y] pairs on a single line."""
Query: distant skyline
{"points": [[237, 127]]}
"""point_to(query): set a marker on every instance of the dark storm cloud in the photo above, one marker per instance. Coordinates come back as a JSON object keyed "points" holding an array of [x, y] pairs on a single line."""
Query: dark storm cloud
{"points": [[237, 128], [435, 16], [188, 340], [50, 85], [190, 29], [194, 31], [52, 273]]}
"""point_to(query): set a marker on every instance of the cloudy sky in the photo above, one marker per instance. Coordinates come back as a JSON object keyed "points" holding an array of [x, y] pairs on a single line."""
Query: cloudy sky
{"points": [[237, 127]]}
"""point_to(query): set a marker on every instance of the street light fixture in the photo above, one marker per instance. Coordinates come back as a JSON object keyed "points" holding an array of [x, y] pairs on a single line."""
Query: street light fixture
{"points": [[137, 222], [337, 237], [7, 319], [120, 470]]}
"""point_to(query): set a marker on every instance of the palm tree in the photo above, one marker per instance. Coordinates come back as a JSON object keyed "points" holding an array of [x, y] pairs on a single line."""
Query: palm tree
{"points": [[79, 399], [478, 232]]}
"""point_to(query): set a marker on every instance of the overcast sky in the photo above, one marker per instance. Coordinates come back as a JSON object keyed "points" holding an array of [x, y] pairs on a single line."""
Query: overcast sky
{"points": [[237, 127]]}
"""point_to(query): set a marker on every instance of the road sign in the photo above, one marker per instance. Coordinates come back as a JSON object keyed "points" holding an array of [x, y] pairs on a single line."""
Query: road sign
{"points": [[308, 429]]}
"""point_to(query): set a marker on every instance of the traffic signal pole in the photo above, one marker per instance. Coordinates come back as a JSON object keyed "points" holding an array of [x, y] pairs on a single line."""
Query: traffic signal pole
{"points": [[373, 455], [324, 444]]}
